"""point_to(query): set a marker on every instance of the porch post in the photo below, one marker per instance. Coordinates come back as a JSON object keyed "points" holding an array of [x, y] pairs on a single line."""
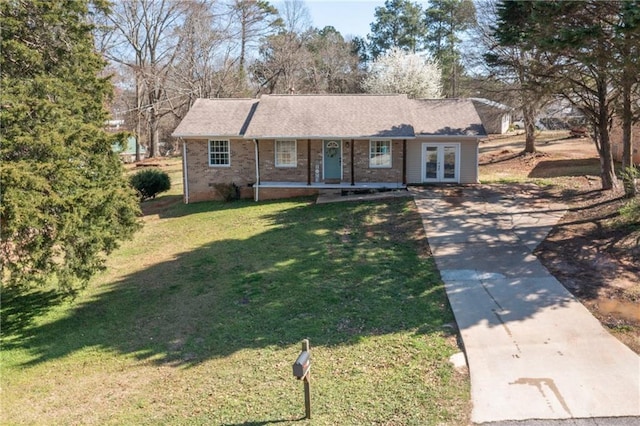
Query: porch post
{"points": [[353, 177], [256, 186], [404, 161], [308, 161]]}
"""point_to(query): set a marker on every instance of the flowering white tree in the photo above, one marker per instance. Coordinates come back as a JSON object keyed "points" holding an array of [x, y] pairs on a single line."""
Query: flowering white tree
{"points": [[397, 71]]}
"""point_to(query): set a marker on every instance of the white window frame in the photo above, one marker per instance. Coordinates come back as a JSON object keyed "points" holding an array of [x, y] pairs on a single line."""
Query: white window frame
{"points": [[228, 152], [294, 156], [373, 143], [440, 152]]}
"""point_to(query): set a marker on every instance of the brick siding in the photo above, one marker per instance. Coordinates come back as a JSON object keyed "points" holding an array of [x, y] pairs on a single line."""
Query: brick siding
{"points": [[202, 176]]}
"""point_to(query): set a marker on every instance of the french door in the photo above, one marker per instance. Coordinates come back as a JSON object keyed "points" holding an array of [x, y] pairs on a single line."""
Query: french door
{"points": [[441, 162]]}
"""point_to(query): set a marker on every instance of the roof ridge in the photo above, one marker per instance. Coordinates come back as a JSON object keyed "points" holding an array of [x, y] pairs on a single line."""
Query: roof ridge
{"points": [[230, 99], [334, 94]]}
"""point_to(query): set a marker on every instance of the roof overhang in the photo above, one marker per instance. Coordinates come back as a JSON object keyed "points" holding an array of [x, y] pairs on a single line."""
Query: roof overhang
{"points": [[323, 137], [450, 137], [360, 137], [191, 136]]}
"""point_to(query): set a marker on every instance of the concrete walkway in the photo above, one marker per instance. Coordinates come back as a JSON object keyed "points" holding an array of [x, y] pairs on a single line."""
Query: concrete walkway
{"points": [[533, 350]]}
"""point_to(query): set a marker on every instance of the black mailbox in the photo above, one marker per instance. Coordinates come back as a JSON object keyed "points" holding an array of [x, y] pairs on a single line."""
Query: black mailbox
{"points": [[302, 364]]}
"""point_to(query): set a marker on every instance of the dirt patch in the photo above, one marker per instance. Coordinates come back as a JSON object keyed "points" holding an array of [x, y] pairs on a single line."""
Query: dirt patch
{"points": [[591, 251]]}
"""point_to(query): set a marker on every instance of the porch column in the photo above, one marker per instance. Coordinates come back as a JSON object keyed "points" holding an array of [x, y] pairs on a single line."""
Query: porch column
{"points": [[256, 186], [309, 162], [353, 168], [404, 161]]}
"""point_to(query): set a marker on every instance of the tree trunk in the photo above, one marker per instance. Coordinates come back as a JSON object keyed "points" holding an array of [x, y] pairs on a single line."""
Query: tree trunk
{"points": [[607, 169], [530, 130], [629, 78], [138, 106], [627, 121], [603, 142], [154, 121]]}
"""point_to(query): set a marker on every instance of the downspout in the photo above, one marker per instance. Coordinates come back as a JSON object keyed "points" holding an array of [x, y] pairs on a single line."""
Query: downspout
{"points": [[256, 186], [184, 171]]}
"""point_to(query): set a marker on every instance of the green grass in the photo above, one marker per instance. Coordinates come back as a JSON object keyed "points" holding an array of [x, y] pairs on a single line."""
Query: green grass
{"points": [[199, 318]]}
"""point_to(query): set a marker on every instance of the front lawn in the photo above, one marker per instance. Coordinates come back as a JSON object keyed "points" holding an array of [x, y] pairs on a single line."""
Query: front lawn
{"points": [[199, 318]]}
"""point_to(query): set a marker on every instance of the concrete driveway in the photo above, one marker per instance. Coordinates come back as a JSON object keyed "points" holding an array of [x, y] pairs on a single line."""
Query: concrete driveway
{"points": [[533, 350]]}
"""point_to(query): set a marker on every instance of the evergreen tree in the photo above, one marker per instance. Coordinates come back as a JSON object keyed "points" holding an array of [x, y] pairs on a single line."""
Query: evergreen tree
{"points": [[524, 69], [398, 24], [445, 21], [65, 202]]}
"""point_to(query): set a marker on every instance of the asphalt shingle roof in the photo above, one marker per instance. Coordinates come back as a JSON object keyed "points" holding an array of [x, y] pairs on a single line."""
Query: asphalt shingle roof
{"points": [[447, 117], [325, 116], [329, 116], [217, 117]]}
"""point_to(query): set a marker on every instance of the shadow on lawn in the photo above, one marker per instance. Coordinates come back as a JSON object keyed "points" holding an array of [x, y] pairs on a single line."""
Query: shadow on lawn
{"points": [[20, 308], [327, 273], [560, 168]]}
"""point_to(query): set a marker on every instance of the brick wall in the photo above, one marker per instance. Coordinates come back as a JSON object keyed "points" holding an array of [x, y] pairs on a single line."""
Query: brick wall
{"points": [[277, 193], [201, 176], [364, 173], [270, 173]]}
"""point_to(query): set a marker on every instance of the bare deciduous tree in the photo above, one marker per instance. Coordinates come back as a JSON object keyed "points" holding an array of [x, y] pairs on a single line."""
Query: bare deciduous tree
{"points": [[143, 38]]}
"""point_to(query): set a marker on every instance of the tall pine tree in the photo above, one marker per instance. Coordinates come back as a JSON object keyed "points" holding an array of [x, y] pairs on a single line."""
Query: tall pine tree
{"points": [[65, 201], [398, 24]]}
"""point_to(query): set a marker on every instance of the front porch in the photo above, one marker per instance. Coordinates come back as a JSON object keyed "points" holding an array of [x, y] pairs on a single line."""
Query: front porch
{"points": [[340, 185], [273, 190]]}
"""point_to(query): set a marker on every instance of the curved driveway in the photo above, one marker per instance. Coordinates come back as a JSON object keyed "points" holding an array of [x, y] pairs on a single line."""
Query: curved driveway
{"points": [[533, 350]]}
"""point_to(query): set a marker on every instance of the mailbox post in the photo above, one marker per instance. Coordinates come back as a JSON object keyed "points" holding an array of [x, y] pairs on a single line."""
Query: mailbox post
{"points": [[302, 370]]}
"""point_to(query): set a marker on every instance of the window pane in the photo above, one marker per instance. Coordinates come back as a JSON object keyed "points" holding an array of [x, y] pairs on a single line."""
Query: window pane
{"points": [[449, 162], [286, 153], [431, 162], [380, 154], [219, 153]]}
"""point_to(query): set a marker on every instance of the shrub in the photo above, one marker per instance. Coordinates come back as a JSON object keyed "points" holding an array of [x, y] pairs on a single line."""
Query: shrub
{"points": [[228, 191], [150, 182], [630, 177], [630, 213]]}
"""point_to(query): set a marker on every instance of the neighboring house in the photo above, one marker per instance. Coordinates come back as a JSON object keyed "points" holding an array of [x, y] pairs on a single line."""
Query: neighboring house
{"points": [[561, 114], [616, 142], [496, 117], [128, 153], [280, 146]]}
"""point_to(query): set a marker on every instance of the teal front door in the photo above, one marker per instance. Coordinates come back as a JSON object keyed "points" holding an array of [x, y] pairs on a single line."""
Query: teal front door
{"points": [[332, 154]]}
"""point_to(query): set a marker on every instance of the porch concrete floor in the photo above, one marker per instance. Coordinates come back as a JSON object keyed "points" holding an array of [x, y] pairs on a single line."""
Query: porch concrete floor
{"points": [[341, 185]]}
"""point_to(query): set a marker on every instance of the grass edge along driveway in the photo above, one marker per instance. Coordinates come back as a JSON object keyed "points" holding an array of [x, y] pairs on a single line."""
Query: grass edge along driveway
{"points": [[199, 318]]}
